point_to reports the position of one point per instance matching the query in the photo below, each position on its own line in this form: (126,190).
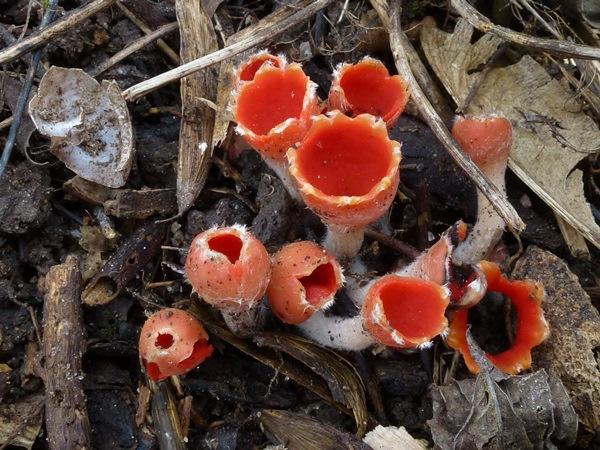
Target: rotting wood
(264,31)
(499,201)
(67,423)
(563,48)
(133,47)
(59,27)
(168,51)
(195,137)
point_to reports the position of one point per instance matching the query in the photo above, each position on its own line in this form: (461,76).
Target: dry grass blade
(61,26)
(166,417)
(563,48)
(293,371)
(500,203)
(341,377)
(195,137)
(132,48)
(301,432)
(265,30)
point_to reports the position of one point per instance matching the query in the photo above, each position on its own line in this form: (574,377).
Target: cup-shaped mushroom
(487,140)
(367,87)
(531,328)
(229,268)
(347,172)
(274,109)
(405,312)
(304,279)
(250,66)
(172,342)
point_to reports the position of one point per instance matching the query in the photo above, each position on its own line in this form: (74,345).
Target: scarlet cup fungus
(487,140)
(230,269)
(405,312)
(367,87)
(273,111)
(346,170)
(531,328)
(172,342)
(304,279)
(248,68)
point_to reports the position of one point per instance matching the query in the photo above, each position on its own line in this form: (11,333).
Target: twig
(132,48)
(6,123)
(67,423)
(168,51)
(303,10)
(500,203)
(41,37)
(559,47)
(419,70)
(394,244)
(25,90)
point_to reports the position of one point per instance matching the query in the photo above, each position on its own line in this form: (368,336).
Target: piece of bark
(124,203)
(67,423)
(574,332)
(195,138)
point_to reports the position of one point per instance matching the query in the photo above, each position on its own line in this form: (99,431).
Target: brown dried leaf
(124,264)
(344,382)
(11,89)
(526,412)
(551,133)
(301,432)
(20,422)
(575,332)
(88,124)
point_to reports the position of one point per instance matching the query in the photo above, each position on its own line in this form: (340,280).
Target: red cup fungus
(304,279)
(248,68)
(347,172)
(487,140)
(230,269)
(367,87)
(405,312)
(172,342)
(531,329)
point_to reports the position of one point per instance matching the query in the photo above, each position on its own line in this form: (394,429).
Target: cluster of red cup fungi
(343,166)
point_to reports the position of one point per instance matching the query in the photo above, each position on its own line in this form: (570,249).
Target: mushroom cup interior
(229,245)
(272,97)
(345,158)
(369,89)
(413,307)
(249,70)
(320,284)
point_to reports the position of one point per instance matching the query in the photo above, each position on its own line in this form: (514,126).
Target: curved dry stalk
(496,198)
(483,24)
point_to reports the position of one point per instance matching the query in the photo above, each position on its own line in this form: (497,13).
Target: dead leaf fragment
(392,438)
(551,134)
(575,332)
(522,412)
(301,432)
(20,422)
(88,124)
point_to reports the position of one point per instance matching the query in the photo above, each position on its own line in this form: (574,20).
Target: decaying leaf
(20,422)
(88,124)
(522,412)
(392,438)
(301,432)
(124,264)
(11,89)
(575,332)
(551,133)
(341,377)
